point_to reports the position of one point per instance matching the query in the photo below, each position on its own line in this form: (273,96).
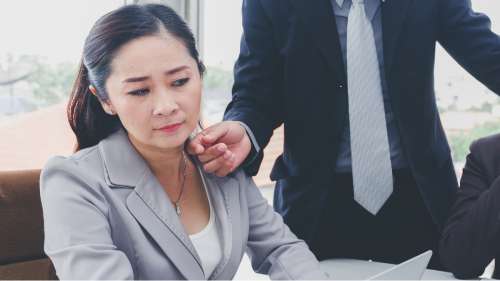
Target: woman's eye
(140,92)
(180,82)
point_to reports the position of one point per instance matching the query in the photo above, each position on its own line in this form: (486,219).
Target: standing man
(366,170)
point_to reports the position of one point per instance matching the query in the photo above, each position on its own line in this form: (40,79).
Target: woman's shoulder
(246,184)
(237,175)
(81,160)
(81,170)
(73,183)
(236,180)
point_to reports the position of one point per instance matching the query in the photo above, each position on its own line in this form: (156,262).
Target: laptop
(413,269)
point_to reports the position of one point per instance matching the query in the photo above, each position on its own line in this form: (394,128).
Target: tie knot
(359,2)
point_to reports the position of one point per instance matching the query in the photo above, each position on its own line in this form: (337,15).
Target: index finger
(195,146)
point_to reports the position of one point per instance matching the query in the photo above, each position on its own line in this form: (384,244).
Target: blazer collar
(152,208)
(224,193)
(124,167)
(319,17)
(342,7)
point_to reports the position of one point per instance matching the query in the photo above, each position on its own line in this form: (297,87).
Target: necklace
(184,173)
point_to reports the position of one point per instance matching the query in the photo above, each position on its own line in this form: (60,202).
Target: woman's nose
(164,104)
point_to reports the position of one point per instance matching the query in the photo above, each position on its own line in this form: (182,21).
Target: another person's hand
(221,147)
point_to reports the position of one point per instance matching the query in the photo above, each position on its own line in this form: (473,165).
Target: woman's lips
(171,128)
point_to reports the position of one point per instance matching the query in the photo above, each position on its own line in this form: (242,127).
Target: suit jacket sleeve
(471,237)
(272,247)
(257,92)
(77,231)
(467,36)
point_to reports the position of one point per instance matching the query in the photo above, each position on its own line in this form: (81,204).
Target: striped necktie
(371,162)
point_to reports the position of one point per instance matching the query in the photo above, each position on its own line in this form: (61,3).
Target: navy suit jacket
(471,237)
(290,71)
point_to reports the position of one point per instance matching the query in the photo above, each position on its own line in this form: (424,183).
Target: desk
(352,269)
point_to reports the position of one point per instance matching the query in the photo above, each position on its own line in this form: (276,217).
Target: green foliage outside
(52,83)
(48,83)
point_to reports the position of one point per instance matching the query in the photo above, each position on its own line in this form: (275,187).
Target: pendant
(178,209)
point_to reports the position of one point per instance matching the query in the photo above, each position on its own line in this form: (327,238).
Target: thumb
(214,133)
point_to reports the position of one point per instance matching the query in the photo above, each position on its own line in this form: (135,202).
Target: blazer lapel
(152,209)
(224,193)
(394,13)
(318,16)
(148,203)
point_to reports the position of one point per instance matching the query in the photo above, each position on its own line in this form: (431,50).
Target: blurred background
(42,43)
(41,46)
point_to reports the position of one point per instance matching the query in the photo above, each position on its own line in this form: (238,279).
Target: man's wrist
(254,146)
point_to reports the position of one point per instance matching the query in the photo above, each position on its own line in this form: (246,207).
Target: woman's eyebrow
(142,78)
(135,79)
(176,69)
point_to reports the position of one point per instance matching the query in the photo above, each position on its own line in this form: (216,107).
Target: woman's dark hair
(85,114)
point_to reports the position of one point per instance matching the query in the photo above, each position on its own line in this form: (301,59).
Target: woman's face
(155,89)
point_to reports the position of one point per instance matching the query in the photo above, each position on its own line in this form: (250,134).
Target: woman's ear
(106,105)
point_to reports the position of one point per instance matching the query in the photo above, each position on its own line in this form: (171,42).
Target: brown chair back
(21,228)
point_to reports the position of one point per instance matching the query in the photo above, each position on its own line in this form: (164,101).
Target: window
(221,37)
(42,42)
(41,46)
(222,31)
(468,109)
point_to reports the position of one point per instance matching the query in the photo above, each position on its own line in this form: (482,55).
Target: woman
(471,237)
(129,204)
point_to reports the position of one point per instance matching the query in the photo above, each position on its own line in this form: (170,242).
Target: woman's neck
(164,163)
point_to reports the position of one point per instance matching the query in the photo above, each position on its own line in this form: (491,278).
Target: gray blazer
(107,217)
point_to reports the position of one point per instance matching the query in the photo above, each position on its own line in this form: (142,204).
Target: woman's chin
(171,141)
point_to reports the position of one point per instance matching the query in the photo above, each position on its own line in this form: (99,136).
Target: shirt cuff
(254,152)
